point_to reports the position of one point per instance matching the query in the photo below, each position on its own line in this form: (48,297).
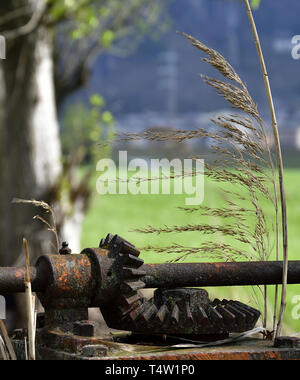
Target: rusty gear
(171,311)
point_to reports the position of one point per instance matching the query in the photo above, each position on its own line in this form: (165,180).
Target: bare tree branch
(10,16)
(30,26)
(72,74)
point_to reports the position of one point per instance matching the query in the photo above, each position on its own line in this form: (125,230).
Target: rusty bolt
(287,342)
(19,334)
(95,350)
(65,250)
(84,328)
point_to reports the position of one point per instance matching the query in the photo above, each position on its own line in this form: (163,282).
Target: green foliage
(107,38)
(82,129)
(255,4)
(107,18)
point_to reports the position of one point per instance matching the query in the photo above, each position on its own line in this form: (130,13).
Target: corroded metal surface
(12,279)
(78,268)
(219,274)
(287,342)
(71,282)
(111,277)
(66,341)
(181,312)
(171,311)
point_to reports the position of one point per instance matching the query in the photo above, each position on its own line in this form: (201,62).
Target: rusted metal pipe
(12,280)
(218,274)
(157,275)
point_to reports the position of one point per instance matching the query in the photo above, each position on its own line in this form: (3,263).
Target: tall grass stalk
(280,169)
(243,161)
(29,305)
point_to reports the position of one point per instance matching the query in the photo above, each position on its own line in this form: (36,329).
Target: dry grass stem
(243,160)
(7,341)
(280,170)
(30,305)
(51,226)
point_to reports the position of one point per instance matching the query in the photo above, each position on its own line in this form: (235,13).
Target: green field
(120,214)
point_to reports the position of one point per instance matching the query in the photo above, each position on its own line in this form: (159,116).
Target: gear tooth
(108,239)
(226,314)
(246,317)
(129,287)
(132,273)
(243,309)
(189,317)
(216,302)
(130,249)
(119,239)
(202,316)
(237,312)
(134,314)
(115,239)
(104,243)
(251,315)
(132,261)
(247,308)
(148,313)
(161,314)
(128,309)
(131,300)
(123,246)
(175,315)
(214,314)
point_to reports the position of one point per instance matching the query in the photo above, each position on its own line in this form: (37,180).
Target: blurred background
(77,72)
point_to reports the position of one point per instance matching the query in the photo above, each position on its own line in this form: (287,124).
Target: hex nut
(84,328)
(287,342)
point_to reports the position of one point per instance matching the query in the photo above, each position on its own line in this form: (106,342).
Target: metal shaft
(12,280)
(219,274)
(167,275)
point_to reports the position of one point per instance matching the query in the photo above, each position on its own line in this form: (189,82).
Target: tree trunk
(30,147)
(30,152)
